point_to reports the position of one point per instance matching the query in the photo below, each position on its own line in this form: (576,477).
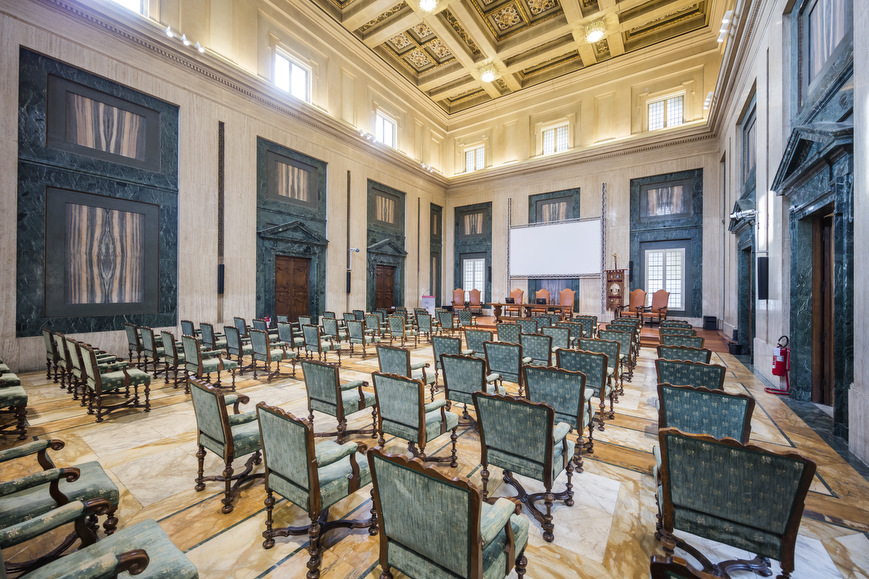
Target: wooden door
(822,311)
(384,284)
(292,277)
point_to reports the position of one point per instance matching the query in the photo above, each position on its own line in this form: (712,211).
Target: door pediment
(807,146)
(387,247)
(294,232)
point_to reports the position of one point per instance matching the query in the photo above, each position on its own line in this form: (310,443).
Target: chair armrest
(244,418)
(112,367)
(352,385)
(494,517)
(334,455)
(38,478)
(435,405)
(560,431)
(235,400)
(419,365)
(26,530)
(29,448)
(107,565)
(211,353)
(494,377)
(527,360)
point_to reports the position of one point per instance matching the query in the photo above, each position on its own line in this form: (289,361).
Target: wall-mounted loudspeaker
(763,278)
(220,269)
(630,271)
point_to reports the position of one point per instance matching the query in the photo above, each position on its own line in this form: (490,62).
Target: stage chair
(701,355)
(395,360)
(635,307)
(565,300)
(474,302)
(518,295)
(542,293)
(474,340)
(681,373)
(658,309)
(464,375)
(458,299)
(594,366)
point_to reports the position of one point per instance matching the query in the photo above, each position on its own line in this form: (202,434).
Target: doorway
(292,279)
(745,308)
(823,291)
(384,287)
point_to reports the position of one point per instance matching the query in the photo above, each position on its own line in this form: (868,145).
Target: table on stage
(525,309)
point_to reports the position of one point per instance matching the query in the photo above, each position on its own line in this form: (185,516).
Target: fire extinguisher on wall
(781,364)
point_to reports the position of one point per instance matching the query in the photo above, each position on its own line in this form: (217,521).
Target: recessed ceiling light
(428,5)
(595,31)
(488,73)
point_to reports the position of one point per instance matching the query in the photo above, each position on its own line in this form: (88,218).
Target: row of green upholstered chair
(395,360)
(13,402)
(44,501)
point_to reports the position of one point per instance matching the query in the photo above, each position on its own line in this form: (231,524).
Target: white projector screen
(569,249)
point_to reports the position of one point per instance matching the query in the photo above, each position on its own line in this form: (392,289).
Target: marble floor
(609,532)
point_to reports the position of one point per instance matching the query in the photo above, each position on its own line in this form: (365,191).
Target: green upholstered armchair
(358,336)
(173,358)
(373,325)
(446,345)
(202,363)
(63,362)
(674,568)
(238,347)
(528,326)
(465,318)
(39,493)
(134,343)
(682,373)
(594,365)
(241,325)
(576,331)
(13,401)
(402,412)
(360,315)
(350,316)
(316,342)
(143,550)
(684,353)
(105,362)
(288,335)
(229,437)
(395,360)
(474,340)
(560,336)
(100,383)
(326,394)
(537,347)
(424,324)
(332,331)
(269,353)
(626,348)
(260,324)
(740,495)
(446,322)
(674,331)
(505,360)
(210,339)
(689,341)
(634,325)
(398,330)
(188,329)
(612,350)
(508,332)
(542,320)
(521,436)
(464,375)
(589,325)
(51,356)
(566,392)
(152,351)
(438,525)
(311,477)
(675,324)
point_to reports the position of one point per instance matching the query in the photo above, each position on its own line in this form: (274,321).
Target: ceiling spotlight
(169,32)
(708,102)
(428,5)
(199,47)
(488,73)
(595,31)
(184,40)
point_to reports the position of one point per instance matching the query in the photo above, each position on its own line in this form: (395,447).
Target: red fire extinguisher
(781,364)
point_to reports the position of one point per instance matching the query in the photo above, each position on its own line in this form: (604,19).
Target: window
(665,269)
(472,223)
(824,25)
(749,146)
(554,210)
(666,112)
(475,158)
(555,139)
(292,77)
(384,209)
(474,276)
(663,201)
(384,129)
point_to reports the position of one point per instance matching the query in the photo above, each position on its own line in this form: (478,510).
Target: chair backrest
(675,324)
(476,338)
(88,359)
(396,325)
(330,327)
(528,326)
(448,507)
(312,336)
(393,360)
(625,339)
(463,375)
(704,411)
(62,353)
(445,319)
(149,346)
(348,316)
(576,329)
(517,295)
(423,321)
(305,321)
(241,325)
(445,345)
(356,329)
(289,455)
(212,419)
(560,336)
(192,355)
(589,325)
(50,348)
(514,428)
(611,348)
(381,313)
(565,297)
(207,336)
(458,298)
(169,348)
(132,337)
(542,321)
(673,331)
(400,405)
(323,384)
(508,332)
(689,341)
(260,325)
(474,297)
(372,322)
(660,299)
(259,343)
(360,315)
(592,364)
(542,293)
(329,315)
(187,328)
(683,373)
(285,333)
(505,359)
(563,390)
(466,318)
(537,347)
(636,299)
(763,499)
(283,319)
(74,352)
(684,353)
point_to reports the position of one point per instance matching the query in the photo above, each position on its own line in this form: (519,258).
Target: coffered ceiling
(527,42)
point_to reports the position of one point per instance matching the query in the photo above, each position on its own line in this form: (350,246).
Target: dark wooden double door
(384,284)
(292,286)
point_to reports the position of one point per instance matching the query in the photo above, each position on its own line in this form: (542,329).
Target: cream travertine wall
(204,101)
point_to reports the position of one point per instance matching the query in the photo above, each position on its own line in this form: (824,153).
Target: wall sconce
(595,31)
(488,73)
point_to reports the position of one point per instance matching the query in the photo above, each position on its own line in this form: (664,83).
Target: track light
(169,32)
(184,40)
(199,47)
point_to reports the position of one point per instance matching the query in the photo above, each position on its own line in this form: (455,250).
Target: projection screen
(564,249)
